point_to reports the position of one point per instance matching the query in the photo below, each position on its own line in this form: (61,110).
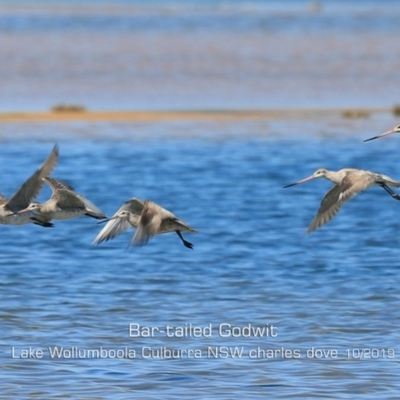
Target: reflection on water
(329,294)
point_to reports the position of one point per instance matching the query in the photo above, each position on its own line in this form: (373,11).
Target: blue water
(217,17)
(335,289)
(329,300)
(198,55)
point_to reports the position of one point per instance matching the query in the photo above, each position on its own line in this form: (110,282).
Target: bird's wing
(388,180)
(169,221)
(56,184)
(175,224)
(350,187)
(333,201)
(67,200)
(32,186)
(133,205)
(149,222)
(113,228)
(154,208)
(90,206)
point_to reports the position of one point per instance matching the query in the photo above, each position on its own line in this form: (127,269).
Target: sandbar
(195,115)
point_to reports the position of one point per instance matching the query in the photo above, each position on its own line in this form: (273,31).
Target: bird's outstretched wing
(33,185)
(333,201)
(116,226)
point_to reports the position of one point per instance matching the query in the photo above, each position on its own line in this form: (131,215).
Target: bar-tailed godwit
(149,218)
(347,183)
(10,209)
(64,203)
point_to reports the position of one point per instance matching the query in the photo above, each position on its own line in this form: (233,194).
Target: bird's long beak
(309,178)
(107,219)
(381,135)
(21,211)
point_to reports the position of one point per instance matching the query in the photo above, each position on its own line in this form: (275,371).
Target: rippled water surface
(327,304)
(252,265)
(198,55)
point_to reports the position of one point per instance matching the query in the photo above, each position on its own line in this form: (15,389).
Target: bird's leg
(185,242)
(390,191)
(41,223)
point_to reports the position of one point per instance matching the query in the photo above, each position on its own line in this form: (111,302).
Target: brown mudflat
(211,115)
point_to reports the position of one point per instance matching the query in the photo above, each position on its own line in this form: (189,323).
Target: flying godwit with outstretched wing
(149,218)
(10,209)
(64,203)
(347,183)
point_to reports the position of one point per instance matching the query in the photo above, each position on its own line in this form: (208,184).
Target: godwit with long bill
(64,203)
(396,129)
(149,218)
(347,183)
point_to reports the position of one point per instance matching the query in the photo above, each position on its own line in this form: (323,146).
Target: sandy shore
(201,115)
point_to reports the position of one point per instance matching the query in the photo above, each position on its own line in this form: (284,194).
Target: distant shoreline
(202,115)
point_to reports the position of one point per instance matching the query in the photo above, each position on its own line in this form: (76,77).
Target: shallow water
(335,289)
(242,54)
(329,300)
